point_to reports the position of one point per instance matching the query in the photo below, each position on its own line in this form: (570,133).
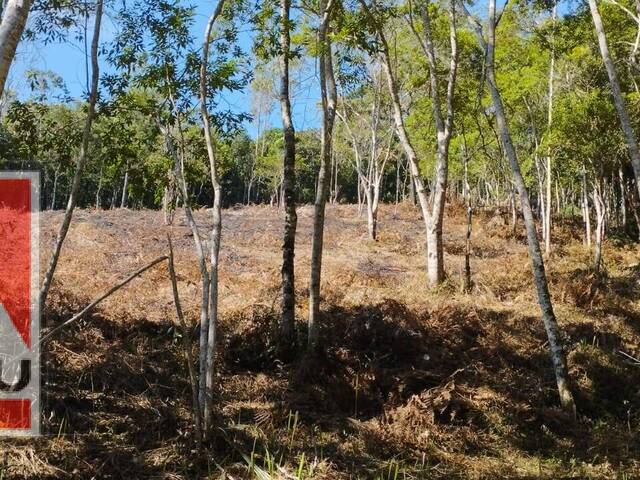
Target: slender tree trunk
(249,190)
(216,229)
(329,100)
(165,206)
(359,193)
(629,134)
(600,220)
(537,263)
(202,264)
(541,203)
(636,215)
(56,175)
(287,326)
(186,338)
(467,244)
(397,195)
(586,217)
(412,187)
(514,209)
(14,19)
(82,156)
(99,186)
(335,189)
(125,186)
(623,198)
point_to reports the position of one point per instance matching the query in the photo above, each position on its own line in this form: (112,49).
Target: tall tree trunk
(629,134)
(540,279)
(82,156)
(14,19)
(287,325)
(216,229)
(329,100)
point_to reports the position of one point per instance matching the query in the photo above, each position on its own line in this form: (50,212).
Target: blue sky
(68,61)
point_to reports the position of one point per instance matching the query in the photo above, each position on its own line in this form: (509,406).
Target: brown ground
(411,384)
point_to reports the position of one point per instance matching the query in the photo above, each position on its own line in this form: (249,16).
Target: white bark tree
(601,213)
(14,20)
(369,132)
(398,117)
(444,132)
(432,214)
(216,229)
(629,134)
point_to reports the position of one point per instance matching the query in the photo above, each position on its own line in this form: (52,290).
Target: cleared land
(411,383)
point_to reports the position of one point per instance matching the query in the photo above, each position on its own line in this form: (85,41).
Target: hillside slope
(410,383)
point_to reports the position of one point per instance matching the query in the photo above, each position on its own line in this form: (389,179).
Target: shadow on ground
(430,390)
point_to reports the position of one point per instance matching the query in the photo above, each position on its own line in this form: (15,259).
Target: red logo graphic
(19,312)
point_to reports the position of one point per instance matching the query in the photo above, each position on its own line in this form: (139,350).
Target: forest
(330,239)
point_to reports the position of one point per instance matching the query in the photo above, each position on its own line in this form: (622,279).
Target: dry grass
(410,383)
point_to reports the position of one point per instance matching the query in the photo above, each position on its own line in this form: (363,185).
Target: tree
(398,117)
(535,253)
(216,228)
(364,117)
(13,21)
(444,132)
(82,157)
(329,100)
(432,216)
(625,122)
(288,185)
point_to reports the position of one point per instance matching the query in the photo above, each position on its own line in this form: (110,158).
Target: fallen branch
(108,293)
(633,359)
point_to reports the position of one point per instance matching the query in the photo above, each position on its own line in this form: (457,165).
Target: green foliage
(150,96)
